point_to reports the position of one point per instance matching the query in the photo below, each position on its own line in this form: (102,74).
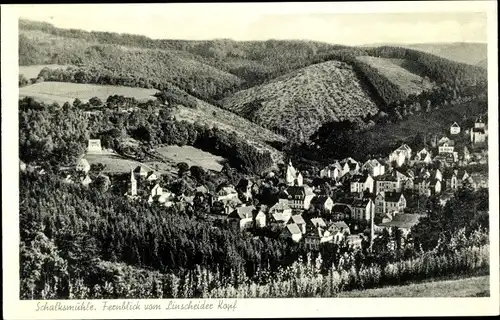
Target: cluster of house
(371,193)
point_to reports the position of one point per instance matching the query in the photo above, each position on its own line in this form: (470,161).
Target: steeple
(133,184)
(291,174)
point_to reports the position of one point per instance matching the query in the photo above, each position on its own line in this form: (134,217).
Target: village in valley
(346,201)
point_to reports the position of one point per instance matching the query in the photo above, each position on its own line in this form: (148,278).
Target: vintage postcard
(250,160)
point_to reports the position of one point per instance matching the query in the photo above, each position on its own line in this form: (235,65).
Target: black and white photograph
(168,151)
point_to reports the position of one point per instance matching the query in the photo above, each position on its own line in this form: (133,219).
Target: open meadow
(114,163)
(192,156)
(61,92)
(469,287)
(33,70)
(395,72)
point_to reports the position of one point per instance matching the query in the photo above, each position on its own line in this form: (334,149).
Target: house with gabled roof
(226,192)
(341,211)
(318,222)
(282,206)
(316,236)
(454,128)
(141,171)
(363,209)
(395,202)
(242,217)
(388,183)
(339,230)
(403,222)
(299,197)
(446,145)
(260,217)
(361,183)
(401,155)
(422,186)
(322,202)
(373,167)
(332,171)
(292,231)
(83,166)
(299,221)
(423,156)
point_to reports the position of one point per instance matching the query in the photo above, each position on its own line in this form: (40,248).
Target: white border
(16,309)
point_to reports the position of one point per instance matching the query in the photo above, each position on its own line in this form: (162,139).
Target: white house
(363,209)
(454,128)
(401,155)
(83,165)
(423,156)
(242,217)
(323,203)
(94,146)
(360,183)
(339,230)
(333,171)
(373,167)
(281,207)
(316,237)
(446,145)
(299,197)
(477,135)
(388,183)
(226,193)
(395,202)
(349,165)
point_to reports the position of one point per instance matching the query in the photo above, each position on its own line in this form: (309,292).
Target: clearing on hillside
(33,71)
(62,92)
(192,156)
(469,287)
(396,72)
(114,163)
(299,102)
(211,116)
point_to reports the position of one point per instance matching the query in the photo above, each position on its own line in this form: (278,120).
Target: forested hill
(242,76)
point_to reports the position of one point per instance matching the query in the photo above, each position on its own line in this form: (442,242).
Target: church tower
(133,184)
(291,174)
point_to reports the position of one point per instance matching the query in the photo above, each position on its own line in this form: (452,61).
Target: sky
(332,23)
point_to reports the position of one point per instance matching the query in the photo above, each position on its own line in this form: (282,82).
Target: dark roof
(341,208)
(319,199)
(360,203)
(455,125)
(449,142)
(402,221)
(480,130)
(359,178)
(392,196)
(387,177)
(243,212)
(298,190)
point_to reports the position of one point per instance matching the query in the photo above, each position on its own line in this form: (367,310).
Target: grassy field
(392,69)
(301,101)
(469,287)
(114,163)
(62,92)
(33,71)
(192,156)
